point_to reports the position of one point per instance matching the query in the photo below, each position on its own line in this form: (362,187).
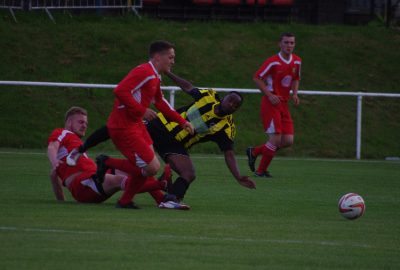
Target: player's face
(287,45)
(78,124)
(230,103)
(166,60)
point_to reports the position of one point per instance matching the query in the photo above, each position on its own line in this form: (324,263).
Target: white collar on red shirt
(284,60)
(155,70)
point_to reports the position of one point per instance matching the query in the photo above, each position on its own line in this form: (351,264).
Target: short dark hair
(74,110)
(286,34)
(160,46)
(238,94)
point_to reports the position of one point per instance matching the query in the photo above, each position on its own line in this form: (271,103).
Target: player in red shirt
(81,179)
(133,96)
(276,77)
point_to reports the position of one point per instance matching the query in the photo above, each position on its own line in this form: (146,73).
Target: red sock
(258,150)
(120,164)
(151,184)
(268,154)
(134,182)
(158,196)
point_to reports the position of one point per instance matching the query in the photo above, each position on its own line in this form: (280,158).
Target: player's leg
(84,189)
(113,183)
(183,166)
(152,168)
(139,153)
(267,116)
(287,128)
(271,118)
(287,140)
(268,153)
(98,136)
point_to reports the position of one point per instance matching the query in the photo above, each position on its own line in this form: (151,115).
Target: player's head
(76,120)
(287,42)
(231,102)
(162,55)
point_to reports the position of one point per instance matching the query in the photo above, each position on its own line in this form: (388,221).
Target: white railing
(172,90)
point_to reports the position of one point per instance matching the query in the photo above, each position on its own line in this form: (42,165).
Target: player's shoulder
(144,69)
(58,134)
(273,58)
(229,119)
(202,92)
(207,90)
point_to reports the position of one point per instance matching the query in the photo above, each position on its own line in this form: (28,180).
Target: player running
(276,77)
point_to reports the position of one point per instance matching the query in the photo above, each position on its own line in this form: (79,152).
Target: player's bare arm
(230,161)
(57,186)
(263,88)
(52,150)
(295,88)
(182,83)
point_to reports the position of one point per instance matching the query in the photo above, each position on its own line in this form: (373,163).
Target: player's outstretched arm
(230,161)
(182,83)
(57,187)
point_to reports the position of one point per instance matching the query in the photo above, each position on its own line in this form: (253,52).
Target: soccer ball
(351,206)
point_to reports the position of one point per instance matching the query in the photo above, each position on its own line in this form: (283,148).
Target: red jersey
(278,74)
(68,141)
(134,95)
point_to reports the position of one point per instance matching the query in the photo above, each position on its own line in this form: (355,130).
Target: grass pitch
(288,222)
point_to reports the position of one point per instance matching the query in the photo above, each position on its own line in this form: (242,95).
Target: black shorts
(163,142)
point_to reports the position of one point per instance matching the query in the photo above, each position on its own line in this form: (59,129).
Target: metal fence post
(358,131)
(172,98)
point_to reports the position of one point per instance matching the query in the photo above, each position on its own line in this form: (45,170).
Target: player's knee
(190,176)
(286,143)
(152,168)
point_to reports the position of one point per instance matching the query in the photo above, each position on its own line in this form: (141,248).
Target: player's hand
(296,100)
(149,115)
(53,173)
(188,127)
(55,164)
(247,182)
(274,99)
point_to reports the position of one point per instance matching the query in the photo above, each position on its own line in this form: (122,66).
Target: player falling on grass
(275,78)
(82,179)
(213,121)
(133,96)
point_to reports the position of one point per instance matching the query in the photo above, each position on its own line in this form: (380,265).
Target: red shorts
(84,190)
(134,143)
(276,118)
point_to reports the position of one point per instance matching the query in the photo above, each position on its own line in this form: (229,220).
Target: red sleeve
(265,69)
(123,92)
(54,135)
(163,106)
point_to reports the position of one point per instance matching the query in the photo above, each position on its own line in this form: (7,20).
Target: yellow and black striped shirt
(208,125)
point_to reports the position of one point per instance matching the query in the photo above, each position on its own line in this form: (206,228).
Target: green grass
(288,222)
(93,49)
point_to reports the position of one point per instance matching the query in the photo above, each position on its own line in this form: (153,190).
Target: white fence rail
(172,90)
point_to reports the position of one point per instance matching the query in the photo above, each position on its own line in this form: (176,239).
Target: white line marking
(195,238)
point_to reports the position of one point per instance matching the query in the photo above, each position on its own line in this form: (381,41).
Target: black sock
(179,188)
(98,136)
